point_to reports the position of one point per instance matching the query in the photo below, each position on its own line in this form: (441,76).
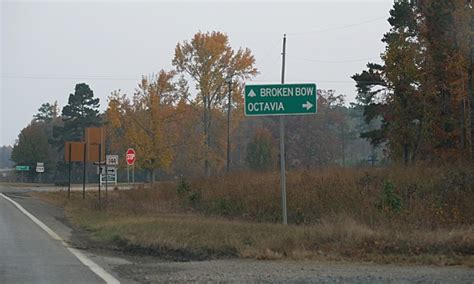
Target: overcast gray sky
(48,47)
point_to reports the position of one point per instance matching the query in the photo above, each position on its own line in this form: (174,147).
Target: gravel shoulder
(254,271)
(133,268)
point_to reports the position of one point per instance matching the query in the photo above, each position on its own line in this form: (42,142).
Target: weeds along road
(29,254)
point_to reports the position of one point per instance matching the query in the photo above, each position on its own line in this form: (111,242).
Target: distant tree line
(178,131)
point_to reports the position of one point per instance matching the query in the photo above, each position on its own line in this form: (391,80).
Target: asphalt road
(29,255)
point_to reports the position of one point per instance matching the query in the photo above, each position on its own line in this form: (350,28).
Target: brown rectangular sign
(77,151)
(94,137)
(93,153)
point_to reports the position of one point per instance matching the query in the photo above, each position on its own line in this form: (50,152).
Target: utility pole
(470,87)
(69,171)
(229,82)
(282,142)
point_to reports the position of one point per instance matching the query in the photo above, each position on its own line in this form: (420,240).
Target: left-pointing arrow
(307,105)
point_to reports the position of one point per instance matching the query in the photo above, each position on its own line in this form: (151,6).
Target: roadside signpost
(95,144)
(91,150)
(281,100)
(130,157)
(109,175)
(107,170)
(112,160)
(22,169)
(40,169)
(75,152)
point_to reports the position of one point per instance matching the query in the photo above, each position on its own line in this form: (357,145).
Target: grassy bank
(385,215)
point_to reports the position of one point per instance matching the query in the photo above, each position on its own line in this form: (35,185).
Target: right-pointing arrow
(307,105)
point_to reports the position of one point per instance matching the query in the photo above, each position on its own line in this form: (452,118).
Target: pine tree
(81,111)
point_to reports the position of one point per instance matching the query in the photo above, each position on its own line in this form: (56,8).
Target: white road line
(107,277)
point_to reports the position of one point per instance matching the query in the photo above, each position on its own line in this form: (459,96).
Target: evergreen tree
(47,112)
(260,151)
(81,111)
(419,94)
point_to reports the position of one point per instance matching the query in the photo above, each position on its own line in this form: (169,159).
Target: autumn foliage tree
(147,121)
(176,129)
(32,146)
(446,28)
(208,59)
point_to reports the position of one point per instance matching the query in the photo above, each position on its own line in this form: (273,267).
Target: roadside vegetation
(411,120)
(393,214)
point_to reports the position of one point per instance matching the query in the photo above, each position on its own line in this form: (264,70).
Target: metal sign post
(100,169)
(21,169)
(282,144)
(73,152)
(106,173)
(39,170)
(110,160)
(130,157)
(84,172)
(70,165)
(128,174)
(281,100)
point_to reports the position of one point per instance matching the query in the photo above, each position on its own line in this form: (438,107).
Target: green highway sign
(280,99)
(22,168)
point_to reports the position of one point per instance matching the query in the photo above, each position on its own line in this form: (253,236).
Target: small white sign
(112,160)
(110,170)
(110,177)
(40,167)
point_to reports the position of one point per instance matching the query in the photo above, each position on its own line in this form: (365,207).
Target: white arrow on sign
(307,105)
(252,94)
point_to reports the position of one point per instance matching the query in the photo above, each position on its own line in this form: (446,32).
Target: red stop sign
(130,156)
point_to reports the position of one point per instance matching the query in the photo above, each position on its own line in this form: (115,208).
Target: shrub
(183,187)
(260,151)
(389,200)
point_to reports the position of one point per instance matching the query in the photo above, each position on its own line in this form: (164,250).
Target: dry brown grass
(339,212)
(428,197)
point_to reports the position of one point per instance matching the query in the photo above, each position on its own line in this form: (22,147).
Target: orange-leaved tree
(209,59)
(146,122)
